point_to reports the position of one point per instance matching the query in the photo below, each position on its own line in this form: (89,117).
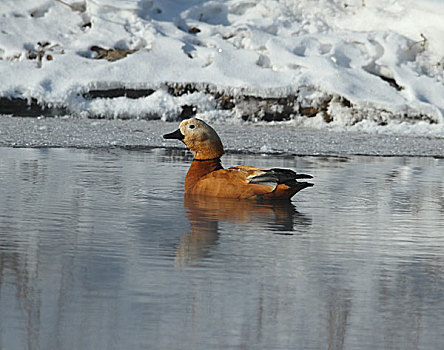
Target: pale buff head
(199,137)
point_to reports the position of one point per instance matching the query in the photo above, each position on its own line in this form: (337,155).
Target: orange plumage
(206,175)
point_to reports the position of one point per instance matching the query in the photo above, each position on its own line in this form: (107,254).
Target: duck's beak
(177,135)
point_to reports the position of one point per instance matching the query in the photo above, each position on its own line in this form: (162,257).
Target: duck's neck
(200,168)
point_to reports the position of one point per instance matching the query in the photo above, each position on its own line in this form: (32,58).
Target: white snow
(386,57)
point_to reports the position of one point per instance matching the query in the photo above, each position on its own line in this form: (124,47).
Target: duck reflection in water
(206,213)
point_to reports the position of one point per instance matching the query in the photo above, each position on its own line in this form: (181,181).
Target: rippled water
(100,250)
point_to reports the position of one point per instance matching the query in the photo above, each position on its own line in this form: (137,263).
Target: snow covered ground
(362,65)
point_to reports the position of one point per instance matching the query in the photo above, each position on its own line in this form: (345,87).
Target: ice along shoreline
(279,139)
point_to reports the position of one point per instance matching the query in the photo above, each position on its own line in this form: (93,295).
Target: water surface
(100,250)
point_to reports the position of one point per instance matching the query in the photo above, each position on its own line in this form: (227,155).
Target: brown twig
(422,42)
(74,8)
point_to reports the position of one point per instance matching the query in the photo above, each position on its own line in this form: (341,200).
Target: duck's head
(199,137)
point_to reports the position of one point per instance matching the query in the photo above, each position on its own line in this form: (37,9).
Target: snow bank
(352,64)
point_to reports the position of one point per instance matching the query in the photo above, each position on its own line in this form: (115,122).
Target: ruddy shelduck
(207,177)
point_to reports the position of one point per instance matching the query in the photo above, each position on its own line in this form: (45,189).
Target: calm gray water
(99,250)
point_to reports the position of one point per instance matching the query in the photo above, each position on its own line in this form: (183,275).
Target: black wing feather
(278,176)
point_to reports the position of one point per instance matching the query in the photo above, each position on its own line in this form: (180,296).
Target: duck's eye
(192,126)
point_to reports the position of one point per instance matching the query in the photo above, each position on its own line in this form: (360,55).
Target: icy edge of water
(283,139)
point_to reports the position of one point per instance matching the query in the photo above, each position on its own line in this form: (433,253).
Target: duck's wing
(250,182)
(274,176)
(285,182)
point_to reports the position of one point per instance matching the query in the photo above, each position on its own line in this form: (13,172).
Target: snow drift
(357,64)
